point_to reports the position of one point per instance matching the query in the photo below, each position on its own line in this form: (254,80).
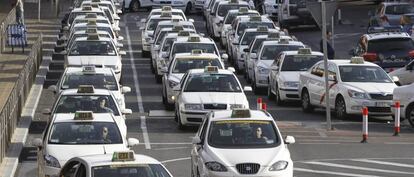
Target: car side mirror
(246,50)
(125,89)
(132,142)
(290,140)
(253,56)
(247,89)
(122,52)
(177,88)
(196,140)
(164,55)
(396,80)
(126,111)
(142,28)
(37,142)
(119,45)
(231,69)
(224,57)
(332,78)
(52,88)
(120,38)
(275,68)
(156,48)
(191,20)
(164,70)
(65,52)
(46,111)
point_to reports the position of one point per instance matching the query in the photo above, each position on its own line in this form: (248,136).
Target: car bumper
(263,172)
(289,94)
(192,117)
(171,95)
(375,107)
(261,80)
(146,46)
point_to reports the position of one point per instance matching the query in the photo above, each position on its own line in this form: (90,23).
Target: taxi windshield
(270,52)
(188,47)
(243,134)
(100,81)
(249,36)
(139,170)
(94,103)
(85,133)
(167,44)
(299,62)
(399,9)
(363,74)
(223,9)
(257,44)
(212,83)
(183,65)
(100,28)
(232,16)
(153,23)
(104,48)
(246,25)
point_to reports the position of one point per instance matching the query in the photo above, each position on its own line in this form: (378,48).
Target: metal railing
(10,113)
(10,19)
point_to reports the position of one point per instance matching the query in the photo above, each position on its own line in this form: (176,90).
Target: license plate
(382,104)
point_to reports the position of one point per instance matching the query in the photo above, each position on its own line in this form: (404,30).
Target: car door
(197,160)
(333,89)
(316,84)
(407,74)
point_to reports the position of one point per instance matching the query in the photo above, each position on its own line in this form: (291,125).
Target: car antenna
(104,149)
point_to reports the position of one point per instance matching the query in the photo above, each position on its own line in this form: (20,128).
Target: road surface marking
(331,172)
(384,163)
(171,148)
(357,167)
(174,160)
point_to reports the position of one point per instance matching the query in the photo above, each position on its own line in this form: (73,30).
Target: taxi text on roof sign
(178,28)
(283,41)
(123,156)
(256,18)
(262,28)
(274,35)
(95,5)
(83,115)
(234,1)
(304,51)
(166,14)
(86,89)
(243,9)
(175,20)
(91,15)
(211,69)
(93,37)
(92,22)
(91,31)
(166,8)
(196,51)
(240,113)
(88,69)
(357,60)
(96,0)
(87,8)
(193,39)
(184,33)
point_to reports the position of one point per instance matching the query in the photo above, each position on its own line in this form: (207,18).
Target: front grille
(215,106)
(194,119)
(377,96)
(165,2)
(248,168)
(379,109)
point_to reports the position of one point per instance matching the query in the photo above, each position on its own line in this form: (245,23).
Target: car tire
(134,6)
(340,108)
(306,105)
(181,126)
(278,101)
(410,114)
(270,95)
(158,78)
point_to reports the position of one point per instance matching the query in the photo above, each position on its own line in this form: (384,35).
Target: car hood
(370,87)
(93,60)
(176,76)
(262,156)
(290,76)
(215,97)
(71,151)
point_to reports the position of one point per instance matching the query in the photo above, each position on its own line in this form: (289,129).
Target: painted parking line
(384,163)
(331,172)
(329,164)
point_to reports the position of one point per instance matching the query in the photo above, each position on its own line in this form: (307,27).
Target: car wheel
(145,54)
(270,94)
(340,108)
(176,118)
(168,106)
(134,6)
(158,78)
(188,8)
(181,126)
(410,114)
(306,105)
(278,101)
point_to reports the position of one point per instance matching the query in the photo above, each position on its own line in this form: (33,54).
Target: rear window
(389,45)
(399,9)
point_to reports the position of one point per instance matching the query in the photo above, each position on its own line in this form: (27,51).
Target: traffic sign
(316,10)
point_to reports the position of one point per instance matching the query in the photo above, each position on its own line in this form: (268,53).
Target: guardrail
(10,19)
(10,113)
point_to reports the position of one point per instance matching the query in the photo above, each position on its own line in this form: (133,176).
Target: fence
(10,19)
(10,113)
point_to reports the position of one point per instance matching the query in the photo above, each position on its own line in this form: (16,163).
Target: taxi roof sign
(183,33)
(175,20)
(256,18)
(305,51)
(86,89)
(91,15)
(177,28)
(93,37)
(166,8)
(95,5)
(243,9)
(193,39)
(357,60)
(91,22)
(166,14)
(83,115)
(87,8)
(211,69)
(262,28)
(240,113)
(234,1)
(274,35)
(283,41)
(123,156)
(91,31)
(89,69)
(96,0)
(196,51)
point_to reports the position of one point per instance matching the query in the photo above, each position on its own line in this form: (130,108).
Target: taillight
(370,56)
(411,53)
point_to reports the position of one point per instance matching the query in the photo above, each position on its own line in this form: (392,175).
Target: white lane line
(358,168)
(331,172)
(318,143)
(384,163)
(138,92)
(401,143)
(174,160)
(171,148)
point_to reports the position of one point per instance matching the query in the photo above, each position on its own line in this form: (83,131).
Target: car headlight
(51,161)
(356,94)
(172,83)
(291,84)
(215,166)
(262,70)
(193,106)
(235,106)
(279,165)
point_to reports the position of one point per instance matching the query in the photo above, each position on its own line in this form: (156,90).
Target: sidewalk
(11,65)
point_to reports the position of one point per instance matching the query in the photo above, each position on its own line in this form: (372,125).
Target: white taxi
(284,73)
(266,54)
(187,44)
(181,63)
(353,83)
(119,163)
(405,95)
(78,134)
(240,142)
(228,19)
(149,28)
(100,78)
(405,75)
(83,11)
(97,51)
(169,9)
(205,90)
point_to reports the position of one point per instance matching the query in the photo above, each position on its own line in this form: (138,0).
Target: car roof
(196,56)
(69,117)
(184,39)
(254,115)
(167,18)
(200,71)
(75,92)
(100,39)
(273,42)
(387,35)
(233,3)
(106,159)
(70,70)
(347,62)
(170,22)
(247,19)
(270,30)
(97,25)
(297,53)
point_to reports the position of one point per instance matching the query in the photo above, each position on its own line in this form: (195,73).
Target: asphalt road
(317,152)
